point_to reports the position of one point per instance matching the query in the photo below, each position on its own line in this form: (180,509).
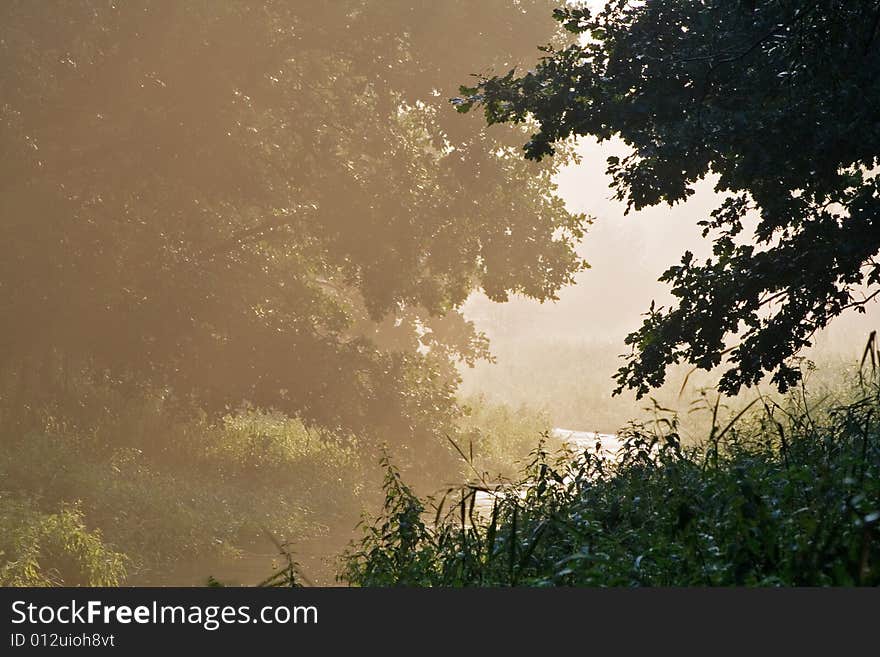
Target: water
(586,440)
(608,445)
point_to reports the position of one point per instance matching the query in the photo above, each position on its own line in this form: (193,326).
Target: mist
(282,283)
(561,355)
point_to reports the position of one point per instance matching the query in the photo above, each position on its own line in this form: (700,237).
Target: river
(577,441)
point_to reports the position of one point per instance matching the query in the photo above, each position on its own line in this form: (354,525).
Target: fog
(627,253)
(239,243)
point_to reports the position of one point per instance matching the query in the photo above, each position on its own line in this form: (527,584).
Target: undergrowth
(105,487)
(786,493)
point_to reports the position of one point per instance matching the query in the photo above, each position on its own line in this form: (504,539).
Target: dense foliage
(134,493)
(265,201)
(774,98)
(53,549)
(150,494)
(789,495)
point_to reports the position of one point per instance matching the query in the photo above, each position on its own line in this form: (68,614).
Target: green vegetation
(569,380)
(140,491)
(498,438)
(169,491)
(237,238)
(788,494)
(46,549)
(773,97)
(268,202)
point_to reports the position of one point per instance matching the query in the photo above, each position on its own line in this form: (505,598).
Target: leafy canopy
(269,201)
(778,99)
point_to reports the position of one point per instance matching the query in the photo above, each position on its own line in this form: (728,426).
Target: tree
(265,201)
(776,98)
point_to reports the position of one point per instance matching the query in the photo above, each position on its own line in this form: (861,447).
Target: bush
(53,549)
(788,494)
(498,438)
(175,492)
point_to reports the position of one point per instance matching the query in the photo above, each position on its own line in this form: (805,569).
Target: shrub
(498,436)
(53,549)
(785,494)
(172,490)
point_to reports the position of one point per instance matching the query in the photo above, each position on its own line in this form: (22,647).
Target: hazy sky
(627,253)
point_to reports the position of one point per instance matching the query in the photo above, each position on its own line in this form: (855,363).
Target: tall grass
(786,493)
(498,438)
(570,381)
